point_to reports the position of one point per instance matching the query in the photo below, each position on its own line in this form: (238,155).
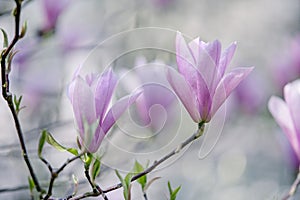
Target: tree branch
(8,96)
(189,140)
(54,174)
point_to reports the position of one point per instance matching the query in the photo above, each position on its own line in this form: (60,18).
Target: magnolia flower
(202,84)
(90,98)
(287,113)
(52,10)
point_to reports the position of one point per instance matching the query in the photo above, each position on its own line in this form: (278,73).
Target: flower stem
(293,187)
(189,140)
(95,188)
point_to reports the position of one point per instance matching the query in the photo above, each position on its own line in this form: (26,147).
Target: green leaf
(73,151)
(78,142)
(5,38)
(96,169)
(9,61)
(50,140)
(173,193)
(31,184)
(126,183)
(42,142)
(88,158)
(138,168)
(23,30)
(17,103)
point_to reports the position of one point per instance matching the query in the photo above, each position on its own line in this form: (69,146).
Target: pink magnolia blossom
(90,98)
(287,113)
(202,84)
(52,10)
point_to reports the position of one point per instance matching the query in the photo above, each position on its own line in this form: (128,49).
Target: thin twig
(293,187)
(95,188)
(54,174)
(145,196)
(8,96)
(189,140)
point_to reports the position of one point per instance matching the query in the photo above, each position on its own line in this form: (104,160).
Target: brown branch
(95,188)
(8,96)
(189,140)
(54,174)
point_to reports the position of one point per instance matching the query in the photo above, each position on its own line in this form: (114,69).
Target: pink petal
(214,51)
(281,114)
(194,47)
(208,62)
(83,104)
(186,61)
(185,93)
(103,93)
(292,98)
(186,58)
(117,110)
(96,141)
(226,58)
(70,89)
(229,82)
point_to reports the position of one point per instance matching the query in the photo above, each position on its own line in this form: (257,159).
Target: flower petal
(117,110)
(96,141)
(292,98)
(83,104)
(214,51)
(70,89)
(186,61)
(281,114)
(209,54)
(185,93)
(226,58)
(229,82)
(103,93)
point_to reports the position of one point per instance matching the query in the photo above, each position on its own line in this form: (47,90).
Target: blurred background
(243,155)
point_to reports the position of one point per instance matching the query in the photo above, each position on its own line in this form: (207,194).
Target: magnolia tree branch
(54,174)
(8,96)
(293,187)
(95,188)
(156,163)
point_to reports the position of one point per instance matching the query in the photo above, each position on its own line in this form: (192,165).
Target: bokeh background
(252,158)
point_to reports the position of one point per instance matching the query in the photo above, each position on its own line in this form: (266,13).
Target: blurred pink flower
(156,92)
(90,99)
(247,95)
(202,84)
(287,67)
(287,113)
(52,10)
